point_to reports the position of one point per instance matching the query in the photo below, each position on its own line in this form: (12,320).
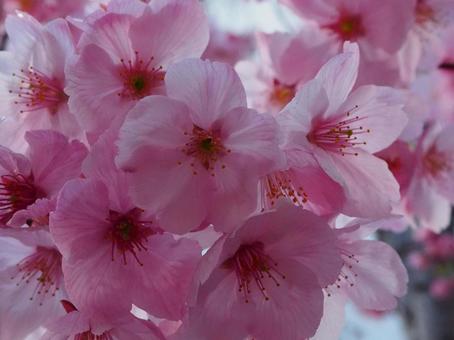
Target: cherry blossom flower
(272,83)
(430,194)
(119,64)
(342,130)
(109,244)
(32,85)
(271,268)
(31,282)
(29,184)
(196,156)
(45,10)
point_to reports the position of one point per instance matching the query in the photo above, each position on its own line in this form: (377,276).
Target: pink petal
(178,29)
(210,89)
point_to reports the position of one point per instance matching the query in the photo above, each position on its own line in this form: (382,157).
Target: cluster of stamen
(339,136)
(436,162)
(36,91)
(282,94)
(348,27)
(17,192)
(206,147)
(424,13)
(347,275)
(42,268)
(280,184)
(140,78)
(250,263)
(129,234)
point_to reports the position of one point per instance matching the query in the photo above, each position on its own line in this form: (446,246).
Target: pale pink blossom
(430,194)
(109,244)
(362,21)
(286,62)
(30,183)
(31,282)
(119,64)
(196,156)
(343,129)
(270,269)
(32,80)
(45,10)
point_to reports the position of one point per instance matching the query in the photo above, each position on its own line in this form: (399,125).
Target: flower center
(280,184)
(128,234)
(37,91)
(140,79)
(347,276)
(43,268)
(424,13)
(26,5)
(206,147)
(436,162)
(250,263)
(348,27)
(339,135)
(17,192)
(282,94)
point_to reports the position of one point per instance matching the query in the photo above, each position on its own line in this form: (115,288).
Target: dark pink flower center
(17,192)
(140,78)
(424,13)
(348,27)
(436,162)
(251,264)
(280,184)
(206,147)
(129,234)
(43,269)
(339,135)
(37,91)
(282,94)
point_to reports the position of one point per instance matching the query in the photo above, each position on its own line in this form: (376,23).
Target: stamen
(129,234)
(347,275)
(37,91)
(251,263)
(281,184)
(44,266)
(282,94)
(17,192)
(348,27)
(140,78)
(206,147)
(436,162)
(340,135)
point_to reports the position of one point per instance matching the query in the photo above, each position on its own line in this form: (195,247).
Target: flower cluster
(141,197)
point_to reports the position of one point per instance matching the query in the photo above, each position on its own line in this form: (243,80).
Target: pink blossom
(109,244)
(31,282)
(342,129)
(270,269)
(33,79)
(442,288)
(361,20)
(370,281)
(430,193)
(45,10)
(196,156)
(28,184)
(119,64)
(83,325)
(272,82)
